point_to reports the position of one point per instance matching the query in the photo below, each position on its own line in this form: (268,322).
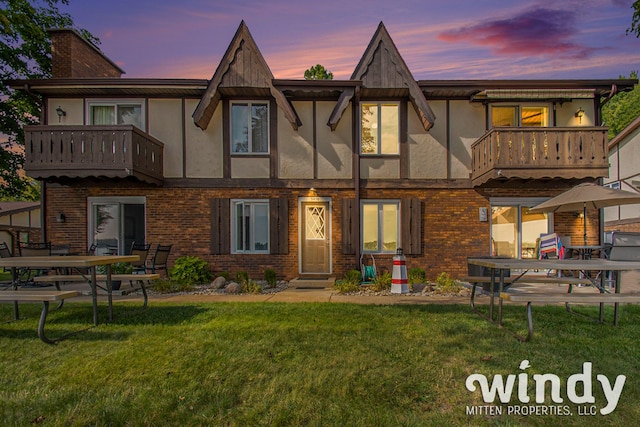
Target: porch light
(61,113)
(579,114)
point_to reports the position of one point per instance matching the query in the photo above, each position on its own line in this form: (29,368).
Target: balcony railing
(539,153)
(60,153)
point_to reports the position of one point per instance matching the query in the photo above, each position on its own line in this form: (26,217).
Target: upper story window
(116,113)
(250,127)
(519,115)
(380,128)
(615,185)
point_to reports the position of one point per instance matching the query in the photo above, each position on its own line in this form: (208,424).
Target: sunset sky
(453,39)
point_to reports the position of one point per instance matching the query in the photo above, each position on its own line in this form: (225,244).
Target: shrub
(271,277)
(190,270)
(242,277)
(163,286)
(117,268)
(350,282)
(382,282)
(251,287)
(416,276)
(447,285)
(225,274)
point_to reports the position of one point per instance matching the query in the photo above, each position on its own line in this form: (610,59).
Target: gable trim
(242,41)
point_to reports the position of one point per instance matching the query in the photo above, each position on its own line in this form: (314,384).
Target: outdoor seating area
(596,276)
(36,267)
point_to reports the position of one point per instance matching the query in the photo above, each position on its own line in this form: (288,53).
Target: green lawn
(324,364)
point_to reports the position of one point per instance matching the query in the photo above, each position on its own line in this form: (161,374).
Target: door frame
(120,201)
(301,201)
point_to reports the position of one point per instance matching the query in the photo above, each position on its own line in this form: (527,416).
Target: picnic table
(594,270)
(84,263)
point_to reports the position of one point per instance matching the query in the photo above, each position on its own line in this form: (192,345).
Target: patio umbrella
(587,196)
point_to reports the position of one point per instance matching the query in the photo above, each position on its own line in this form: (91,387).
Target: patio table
(86,262)
(584,251)
(501,265)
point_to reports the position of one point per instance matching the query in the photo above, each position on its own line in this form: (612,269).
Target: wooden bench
(37,296)
(566,298)
(527,279)
(57,279)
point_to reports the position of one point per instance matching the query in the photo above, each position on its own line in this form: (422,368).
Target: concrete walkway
(630,284)
(314,295)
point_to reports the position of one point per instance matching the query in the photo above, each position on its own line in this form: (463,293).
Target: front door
(315,231)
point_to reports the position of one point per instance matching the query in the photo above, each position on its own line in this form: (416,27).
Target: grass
(312,364)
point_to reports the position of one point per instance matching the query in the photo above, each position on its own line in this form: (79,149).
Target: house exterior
(19,222)
(308,177)
(624,152)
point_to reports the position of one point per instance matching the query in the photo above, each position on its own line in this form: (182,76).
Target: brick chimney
(74,57)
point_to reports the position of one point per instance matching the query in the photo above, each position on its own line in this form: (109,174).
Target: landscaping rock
(233,288)
(418,287)
(218,283)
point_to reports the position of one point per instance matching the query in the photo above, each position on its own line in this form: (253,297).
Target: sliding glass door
(115,223)
(514,230)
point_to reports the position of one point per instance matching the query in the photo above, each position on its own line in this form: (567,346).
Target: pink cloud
(535,32)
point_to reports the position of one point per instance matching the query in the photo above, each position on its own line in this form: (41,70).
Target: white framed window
(379,128)
(250,226)
(250,127)
(114,223)
(116,112)
(380,226)
(514,230)
(615,185)
(519,115)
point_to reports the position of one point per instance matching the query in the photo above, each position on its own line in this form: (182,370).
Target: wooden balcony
(63,153)
(540,153)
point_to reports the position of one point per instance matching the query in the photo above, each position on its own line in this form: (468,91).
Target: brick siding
(74,57)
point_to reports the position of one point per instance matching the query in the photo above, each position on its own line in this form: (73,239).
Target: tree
(622,109)
(635,19)
(318,72)
(24,54)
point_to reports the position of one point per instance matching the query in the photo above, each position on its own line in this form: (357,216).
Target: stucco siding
(295,148)
(165,124)
(204,153)
(379,168)
(250,167)
(73,107)
(334,148)
(428,150)
(467,125)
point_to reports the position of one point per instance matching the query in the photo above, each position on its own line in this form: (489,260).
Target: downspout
(356,167)
(601,231)
(43,209)
(612,93)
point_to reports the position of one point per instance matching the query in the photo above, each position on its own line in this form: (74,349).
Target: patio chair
(92,249)
(35,248)
(368,269)
(5,252)
(551,247)
(159,259)
(142,250)
(31,249)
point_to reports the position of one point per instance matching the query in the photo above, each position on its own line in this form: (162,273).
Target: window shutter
(279,224)
(411,221)
(220,223)
(349,212)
